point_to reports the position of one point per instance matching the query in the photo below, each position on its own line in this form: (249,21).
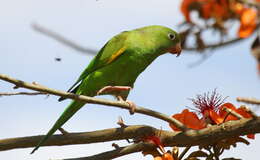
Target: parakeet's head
(164,39)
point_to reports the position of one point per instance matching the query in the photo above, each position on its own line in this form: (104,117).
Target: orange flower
(155,140)
(227,117)
(218,9)
(211,108)
(237,8)
(190,119)
(248,22)
(185,8)
(165,156)
(241,110)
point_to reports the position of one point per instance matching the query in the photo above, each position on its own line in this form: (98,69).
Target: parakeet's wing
(110,52)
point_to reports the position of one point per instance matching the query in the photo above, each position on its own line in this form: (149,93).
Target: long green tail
(65,116)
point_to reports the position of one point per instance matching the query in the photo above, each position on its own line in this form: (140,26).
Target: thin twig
(86,99)
(63,131)
(21,93)
(184,152)
(216,45)
(63,40)
(248,100)
(233,113)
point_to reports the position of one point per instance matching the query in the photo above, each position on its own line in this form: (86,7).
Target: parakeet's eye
(171,36)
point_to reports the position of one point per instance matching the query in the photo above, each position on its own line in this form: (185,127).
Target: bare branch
(63,40)
(21,93)
(63,131)
(214,46)
(86,99)
(248,100)
(87,50)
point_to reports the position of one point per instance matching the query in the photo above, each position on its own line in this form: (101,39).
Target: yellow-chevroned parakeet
(115,68)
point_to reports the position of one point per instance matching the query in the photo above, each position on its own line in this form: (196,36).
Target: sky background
(164,86)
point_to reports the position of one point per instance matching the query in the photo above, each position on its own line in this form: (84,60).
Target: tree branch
(83,49)
(188,138)
(214,46)
(86,99)
(121,151)
(80,138)
(63,40)
(21,93)
(248,100)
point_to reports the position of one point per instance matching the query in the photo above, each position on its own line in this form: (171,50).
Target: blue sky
(165,86)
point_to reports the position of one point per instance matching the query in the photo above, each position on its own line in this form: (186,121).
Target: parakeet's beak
(175,49)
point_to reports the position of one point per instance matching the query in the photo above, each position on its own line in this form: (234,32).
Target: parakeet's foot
(132,105)
(109,89)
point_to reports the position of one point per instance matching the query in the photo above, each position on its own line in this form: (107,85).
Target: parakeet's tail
(66,115)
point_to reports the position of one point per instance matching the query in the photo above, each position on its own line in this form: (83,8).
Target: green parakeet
(115,68)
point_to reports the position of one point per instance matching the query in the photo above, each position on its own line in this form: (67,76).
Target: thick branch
(62,39)
(86,99)
(206,136)
(80,138)
(189,138)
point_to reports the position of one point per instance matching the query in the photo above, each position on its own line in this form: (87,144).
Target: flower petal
(248,22)
(190,119)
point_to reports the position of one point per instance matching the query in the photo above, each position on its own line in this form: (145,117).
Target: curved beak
(175,49)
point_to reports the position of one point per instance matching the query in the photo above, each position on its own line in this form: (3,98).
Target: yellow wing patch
(115,55)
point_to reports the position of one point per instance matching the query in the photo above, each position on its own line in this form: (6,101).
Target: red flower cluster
(212,110)
(221,11)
